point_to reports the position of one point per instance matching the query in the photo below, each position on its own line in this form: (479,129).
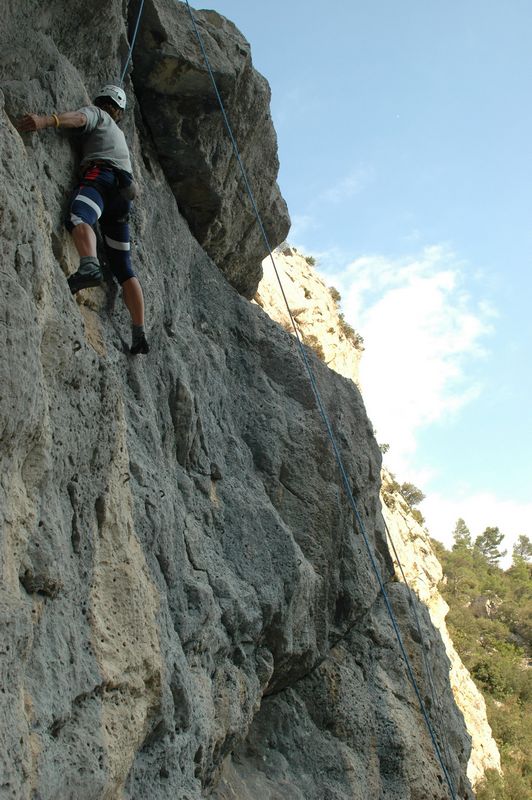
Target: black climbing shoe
(140,345)
(86,276)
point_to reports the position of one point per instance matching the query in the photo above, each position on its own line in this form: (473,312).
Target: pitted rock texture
(306,741)
(180,576)
(181,111)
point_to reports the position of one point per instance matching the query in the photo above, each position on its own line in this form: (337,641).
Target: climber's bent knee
(119,258)
(86,206)
(117,245)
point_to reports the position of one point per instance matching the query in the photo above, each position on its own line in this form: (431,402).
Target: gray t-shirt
(102,140)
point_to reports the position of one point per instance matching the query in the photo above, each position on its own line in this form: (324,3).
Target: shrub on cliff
(335,294)
(349,332)
(314,343)
(418,516)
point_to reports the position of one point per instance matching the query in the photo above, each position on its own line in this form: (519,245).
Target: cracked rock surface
(181,112)
(185,606)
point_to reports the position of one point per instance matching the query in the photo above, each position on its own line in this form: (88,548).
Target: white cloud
(421,331)
(347,186)
(479,511)
(414,237)
(329,261)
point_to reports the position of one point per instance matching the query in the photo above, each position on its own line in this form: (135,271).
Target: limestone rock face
(181,112)
(423,573)
(316,315)
(185,606)
(315,311)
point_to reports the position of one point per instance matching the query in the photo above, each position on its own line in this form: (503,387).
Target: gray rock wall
(181,112)
(185,608)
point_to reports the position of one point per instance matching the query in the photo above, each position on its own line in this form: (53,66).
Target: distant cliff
(315,309)
(186,608)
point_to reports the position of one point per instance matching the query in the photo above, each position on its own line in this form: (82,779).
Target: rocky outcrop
(185,606)
(316,314)
(181,112)
(423,573)
(486,607)
(314,308)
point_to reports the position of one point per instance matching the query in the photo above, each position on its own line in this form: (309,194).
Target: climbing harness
(319,402)
(324,415)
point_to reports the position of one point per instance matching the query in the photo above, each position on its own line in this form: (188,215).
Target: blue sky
(405,135)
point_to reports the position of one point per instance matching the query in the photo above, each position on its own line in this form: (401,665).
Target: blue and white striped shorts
(97,198)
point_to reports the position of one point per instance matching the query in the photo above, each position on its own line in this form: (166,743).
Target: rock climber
(103,195)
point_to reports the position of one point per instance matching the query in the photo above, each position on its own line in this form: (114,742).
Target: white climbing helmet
(116,93)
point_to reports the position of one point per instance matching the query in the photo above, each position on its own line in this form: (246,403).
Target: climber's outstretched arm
(67,119)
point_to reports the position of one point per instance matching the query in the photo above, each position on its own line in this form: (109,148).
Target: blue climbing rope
(428,669)
(132,44)
(323,413)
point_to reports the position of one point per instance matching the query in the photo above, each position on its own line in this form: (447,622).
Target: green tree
(488,543)
(462,536)
(522,550)
(411,494)
(496,649)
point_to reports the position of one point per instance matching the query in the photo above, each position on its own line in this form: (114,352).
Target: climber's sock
(88,265)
